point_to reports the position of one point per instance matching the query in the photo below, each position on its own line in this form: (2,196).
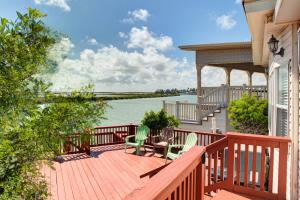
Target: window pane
(283,85)
(282,122)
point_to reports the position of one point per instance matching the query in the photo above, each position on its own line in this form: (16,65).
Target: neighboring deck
(108,174)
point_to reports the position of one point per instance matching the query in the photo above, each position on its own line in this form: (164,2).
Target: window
(278,98)
(282,100)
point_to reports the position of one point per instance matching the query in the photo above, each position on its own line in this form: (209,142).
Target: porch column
(250,73)
(227,97)
(199,87)
(228,72)
(267,79)
(250,78)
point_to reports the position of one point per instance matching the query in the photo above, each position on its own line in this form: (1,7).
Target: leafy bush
(249,115)
(159,120)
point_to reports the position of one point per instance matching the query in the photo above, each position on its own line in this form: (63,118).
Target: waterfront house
(221,166)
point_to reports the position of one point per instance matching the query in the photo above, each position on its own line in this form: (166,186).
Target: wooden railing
(182,179)
(251,164)
(109,135)
(101,135)
(204,138)
(215,165)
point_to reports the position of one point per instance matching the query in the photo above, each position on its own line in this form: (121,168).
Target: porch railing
(212,99)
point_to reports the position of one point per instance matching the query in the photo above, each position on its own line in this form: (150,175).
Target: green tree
(31,133)
(249,115)
(159,120)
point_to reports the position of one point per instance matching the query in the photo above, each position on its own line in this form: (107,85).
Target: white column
(250,73)
(227,93)
(228,72)
(199,87)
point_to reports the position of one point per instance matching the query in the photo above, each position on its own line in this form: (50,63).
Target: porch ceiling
(236,55)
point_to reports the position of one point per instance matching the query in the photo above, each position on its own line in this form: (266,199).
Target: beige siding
(285,38)
(224,56)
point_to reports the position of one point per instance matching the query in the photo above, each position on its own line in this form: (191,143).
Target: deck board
(227,195)
(109,174)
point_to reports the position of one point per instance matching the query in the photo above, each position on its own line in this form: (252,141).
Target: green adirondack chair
(191,140)
(139,139)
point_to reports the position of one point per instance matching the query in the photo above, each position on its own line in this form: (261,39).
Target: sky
(132,45)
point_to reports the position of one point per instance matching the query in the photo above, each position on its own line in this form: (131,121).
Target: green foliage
(249,115)
(159,120)
(29,132)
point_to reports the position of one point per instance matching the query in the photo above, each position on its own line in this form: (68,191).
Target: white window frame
(273,97)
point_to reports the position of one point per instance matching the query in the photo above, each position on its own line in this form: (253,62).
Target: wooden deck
(108,174)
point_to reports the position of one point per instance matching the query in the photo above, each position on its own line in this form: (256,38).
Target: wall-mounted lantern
(273,46)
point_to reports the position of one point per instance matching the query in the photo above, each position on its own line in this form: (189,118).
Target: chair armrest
(128,137)
(170,140)
(174,145)
(181,152)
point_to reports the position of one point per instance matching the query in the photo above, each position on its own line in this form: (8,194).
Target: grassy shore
(111,96)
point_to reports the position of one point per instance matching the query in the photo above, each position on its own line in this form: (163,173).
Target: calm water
(133,110)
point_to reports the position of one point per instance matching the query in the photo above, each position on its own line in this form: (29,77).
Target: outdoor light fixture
(273,46)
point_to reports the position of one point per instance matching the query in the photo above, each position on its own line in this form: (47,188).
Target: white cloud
(92,41)
(57,3)
(147,40)
(137,15)
(123,35)
(226,22)
(140,67)
(238,1)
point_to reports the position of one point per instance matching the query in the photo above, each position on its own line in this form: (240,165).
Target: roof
(216,46)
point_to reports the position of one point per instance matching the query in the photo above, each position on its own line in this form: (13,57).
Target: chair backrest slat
(141,133)
(191,140)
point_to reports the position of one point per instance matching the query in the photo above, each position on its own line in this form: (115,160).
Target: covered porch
(229,57)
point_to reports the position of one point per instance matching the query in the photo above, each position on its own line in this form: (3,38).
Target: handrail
(212,101)
(182,178)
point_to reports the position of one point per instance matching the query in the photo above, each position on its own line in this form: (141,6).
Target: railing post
(131,129)
(230,164)
(177,109)
(199,113)
(200,179)
(244,88)
(282,171)
(164,106)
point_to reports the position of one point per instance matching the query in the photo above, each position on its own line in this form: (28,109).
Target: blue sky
(131,45)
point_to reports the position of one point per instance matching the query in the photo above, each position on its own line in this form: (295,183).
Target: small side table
(161,145)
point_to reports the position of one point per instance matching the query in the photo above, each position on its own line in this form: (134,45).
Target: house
(273,50)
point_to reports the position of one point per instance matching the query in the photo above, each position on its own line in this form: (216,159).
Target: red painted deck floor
(108,174)
(226,195)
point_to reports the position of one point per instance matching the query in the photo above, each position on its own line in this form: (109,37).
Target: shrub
(159,120)
(249,115)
